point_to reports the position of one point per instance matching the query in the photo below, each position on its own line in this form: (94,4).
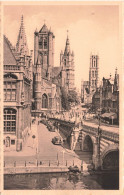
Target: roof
(109,115)
(44,29)
(8,57)
(56,71)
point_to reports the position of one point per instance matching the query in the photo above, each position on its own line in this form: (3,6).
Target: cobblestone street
(42,149)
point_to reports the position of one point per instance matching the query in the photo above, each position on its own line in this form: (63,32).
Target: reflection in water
(61,181)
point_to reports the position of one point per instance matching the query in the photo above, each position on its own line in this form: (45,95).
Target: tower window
(92,73)
(40,44)
(95,73)
(94,63)
(45,44)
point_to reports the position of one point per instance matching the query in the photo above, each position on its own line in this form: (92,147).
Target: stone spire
(67,47)
(21,45)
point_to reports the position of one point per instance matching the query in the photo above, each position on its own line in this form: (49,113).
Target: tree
(73,97)
(64,99)
(68,98)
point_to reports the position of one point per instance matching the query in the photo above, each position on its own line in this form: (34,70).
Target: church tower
(21,45)
(94,73)
(67,64)
(43,62)
(44,46)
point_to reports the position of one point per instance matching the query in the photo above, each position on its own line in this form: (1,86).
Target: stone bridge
(101,141)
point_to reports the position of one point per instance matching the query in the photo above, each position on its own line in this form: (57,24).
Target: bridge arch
(110,158)
(88,143)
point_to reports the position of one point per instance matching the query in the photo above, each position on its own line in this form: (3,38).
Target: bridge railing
(110,136)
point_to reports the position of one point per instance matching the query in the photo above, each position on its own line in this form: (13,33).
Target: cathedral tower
(67,64)
(94,73)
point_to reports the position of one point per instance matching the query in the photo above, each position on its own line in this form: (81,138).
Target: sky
(92,29)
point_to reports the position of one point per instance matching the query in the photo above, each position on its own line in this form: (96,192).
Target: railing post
(25,163)
(82,166)
(73,162)
(49,163)
(66,163)
(4,164)
(37,163)
(57,155)
(15,164)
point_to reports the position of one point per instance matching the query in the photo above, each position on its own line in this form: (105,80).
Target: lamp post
(99,137)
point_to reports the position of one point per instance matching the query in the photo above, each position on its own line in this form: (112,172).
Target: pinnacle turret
(21,45)
(67,47)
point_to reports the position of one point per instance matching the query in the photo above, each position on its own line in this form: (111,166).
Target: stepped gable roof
(56,71)
(8,57)
(44,29)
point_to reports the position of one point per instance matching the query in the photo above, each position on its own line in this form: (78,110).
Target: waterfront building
(106,97)
(110,95)
(17,91)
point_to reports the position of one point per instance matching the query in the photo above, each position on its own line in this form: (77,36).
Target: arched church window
(9,120)
(44,101)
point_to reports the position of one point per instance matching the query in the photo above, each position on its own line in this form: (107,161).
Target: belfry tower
(67,64)
(94,73)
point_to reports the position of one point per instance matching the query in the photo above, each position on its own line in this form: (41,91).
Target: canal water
(61,181)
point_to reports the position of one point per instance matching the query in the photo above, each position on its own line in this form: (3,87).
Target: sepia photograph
(62,66)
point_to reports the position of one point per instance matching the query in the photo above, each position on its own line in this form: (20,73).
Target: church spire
(21,45)
(67,47)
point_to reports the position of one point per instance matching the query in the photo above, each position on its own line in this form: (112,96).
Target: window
(95,73)
(9,120)
(64,61)
(12,142)
(9,91)
(40,44)
(44,101)
(92,73)
(94,63)
(45,44)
